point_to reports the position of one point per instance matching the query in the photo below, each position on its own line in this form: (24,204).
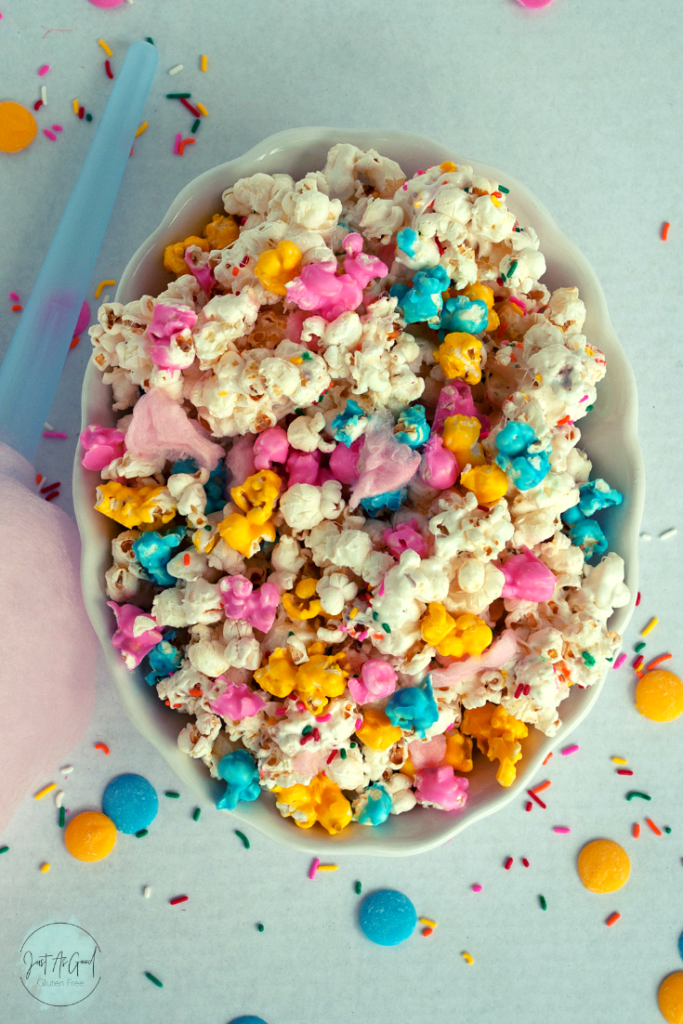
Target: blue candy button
(248,1020)
(131,802)
(387,917)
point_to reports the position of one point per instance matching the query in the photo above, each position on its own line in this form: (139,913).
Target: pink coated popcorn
(136,635)
(455,398)
(270,446)
(429,754)
(203,274)
(303,468)
(378,679)
(439,467)
(321,289)
(237,702)
(344,462)
(102,445)
(441,787)
(527,578)
(160,427)
(241,601)
(168,322)
(406,535)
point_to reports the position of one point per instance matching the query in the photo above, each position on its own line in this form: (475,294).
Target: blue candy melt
(344,423)
(239,771)
(413,428)
(466,316)
(593,496)
(524,468)
(423,300)
(378,807)
(164,660)
(391,500)
(131,802)
(387,917)
(406,241)
(248,1020)
(153,551)
(413,707)
(587,535)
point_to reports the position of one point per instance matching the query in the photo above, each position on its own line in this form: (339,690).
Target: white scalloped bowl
(609,438)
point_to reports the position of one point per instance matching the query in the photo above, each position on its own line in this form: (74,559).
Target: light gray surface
(580,101)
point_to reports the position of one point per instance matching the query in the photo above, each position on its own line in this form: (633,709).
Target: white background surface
(582,102)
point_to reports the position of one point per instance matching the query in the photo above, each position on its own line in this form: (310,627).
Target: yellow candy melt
(670,998)
(257,495)
(245,536)
(275,267)
(377,732)
(465,635)
(304,604)
(221,231)
(90,836)
(279,675)
(321,677)
(460,356)
(132,506)
(321,801)
(461,436)
(489,483)
(659,696)
(458,752)
(603,866)
(497,734)
(174,254)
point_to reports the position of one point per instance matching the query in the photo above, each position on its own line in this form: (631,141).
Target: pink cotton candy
(237,702)
(442,787)
(439,467)
(429,754)
(455,399)
(310,762)
(270,446)
(168,323)
(101,445)
(303,468)
(320,289)
(134,638)
(241,601)
(494,657)
(527,578)
(344,462)
(385,465)
(240,461)
(49,649)
(201,270)
(405,536)
(378,679)
(160,428)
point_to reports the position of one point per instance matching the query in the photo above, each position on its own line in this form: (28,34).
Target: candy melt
(387,917)
(603,866)
(131,802)
(90,836)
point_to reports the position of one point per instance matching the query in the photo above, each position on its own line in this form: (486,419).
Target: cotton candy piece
(500,652)
(160,428)
(49,649)
(385,465)
(240,461)
(237,702)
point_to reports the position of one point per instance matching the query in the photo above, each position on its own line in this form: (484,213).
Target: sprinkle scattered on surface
(542,901)
(570,750)
(106,49)
(561,829)
(508,863)
(314,867)
(646,536)
(612,919)
(202,110)
(260,926)
(426,920)
(624,771)
(143,128)
(528,805)
(45,790)
(104,284)
(620,660)
(205,62)
(4,849)
(542,786)
(103,747)
(67,769)
(244,839)
(155,981)
(668,533)
(107,68)
(638,599)
(636,830)
(665,230)
(652,825)
(467,957)
(547,758)
(62,816)
(197,812)
(178,899)
(44,69)
(359,888)
(476,888)
(537,799)
(143,832)
(50,135)
(176,69)
(619,760)
(45,867)
(59,798)
(639,647)
(525,862)
(147,892)
(635,792)
(657,661)
(328,867)
(650,626)
(172,795)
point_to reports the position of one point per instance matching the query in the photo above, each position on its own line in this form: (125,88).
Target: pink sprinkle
(570,750)
(50,135)
(476,888)
(44,69)
(57,128)
(362,636)
(584,399)
(561,829)
(176,147)
(508,863)
(405,188)
(323,718)
(518,302)
(14,297)
(54,433)
(380,592)
(300,706)
(314,868)
(620,660)
(281,711)
(359,722)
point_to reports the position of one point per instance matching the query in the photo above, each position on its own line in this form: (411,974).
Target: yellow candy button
(18,127)
(659,696)
(603,866)
(670,998)
(90,836)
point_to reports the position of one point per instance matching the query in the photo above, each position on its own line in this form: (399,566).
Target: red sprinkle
(525,862)
(305,739)
(74,341)
(190,107)
(638,599)
(50,497)
(665,230)
(519,691)
(638,662)
(624,771)
(427,931)
(565,419)
(636,830)
(331,757)
(527,688)
(652,825)
(103,747)
(107,68)
(81,112)
(37,105)
(195,693)
(542,786)
(508,863)
(50,487)
(529,805)
(183,143)
(178,899)
(612,919)
(316,735)
(537,799)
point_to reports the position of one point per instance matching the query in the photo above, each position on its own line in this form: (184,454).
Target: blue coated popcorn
(378,807)
(413,707)
(525,469)
(466,316)
(406,240)
(153,551)
(424,300)
(239,770)
(164,660)
(391,500)
(344,423)
(593,496)
(587,535)
(214,488)
(413,428)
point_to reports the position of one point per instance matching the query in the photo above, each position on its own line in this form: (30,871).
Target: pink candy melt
(271,446)
(241,601)
(405,536)
(378,679)
(160,428)
(442,787)
(237,702)
(439,467)
(527,578)
(303,468)
(168,324)
(134,647)
(344,462)
(455,399)
(101,445)
(320,289)
(429,754)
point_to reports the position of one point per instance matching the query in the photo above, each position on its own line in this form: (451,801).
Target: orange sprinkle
(74,341)
(653,826)
(195,693)
(427,931)
(17,307)
(39,477)
(665,230)
(543,785)
(565,419)
(186,559)
(103,747)
(546,759)
(612,919)
(636,830)
(657,661)
(185,142)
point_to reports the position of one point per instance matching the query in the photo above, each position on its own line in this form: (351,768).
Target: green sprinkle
(501,188)
(588,658)
(634,792)
(386,627)
(171,793)
(306,357)
(62,816)
(343,754)
(291,633)
(142,832)
(609,659)
(639,647)
(667,829)
(150,40)
(544,905)
(208,528)
(178,95)
(244,839)
(589,408)
(155,981)
(512,268)
(306,730)
(358,888)
(88,117)
(4,849)
(195,126)
(375,616)
(259,926)
(197,812)
(352,745)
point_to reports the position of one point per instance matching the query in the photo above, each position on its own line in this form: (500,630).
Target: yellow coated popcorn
(221,231)
(461,436)
(174,254)
(132,506)
(497,734)
(257,495)
(460,356)
(454,638)
(322,801)
(489,483)
(377,732)
(279,675)
(244,535)
(458,752)
(304,604)
(320,677)
(275,267)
